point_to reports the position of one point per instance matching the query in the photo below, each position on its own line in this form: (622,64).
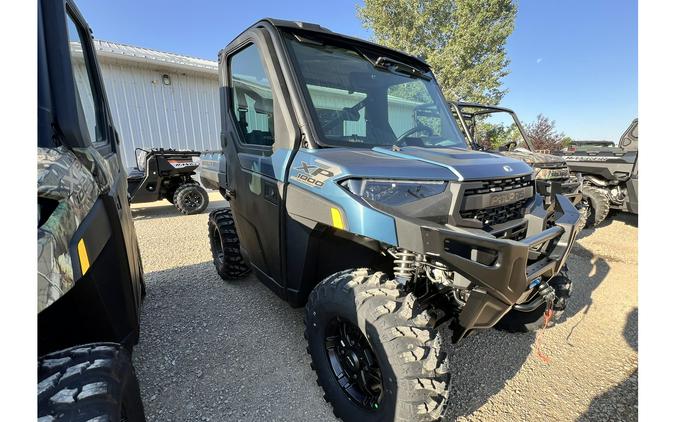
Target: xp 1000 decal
(315,174)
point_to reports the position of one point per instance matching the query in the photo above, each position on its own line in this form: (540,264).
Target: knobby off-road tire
(190,198)
(401,335)
(225,250)
(521,322)
(170,194)
(584,212)
(598,202)
(88,382)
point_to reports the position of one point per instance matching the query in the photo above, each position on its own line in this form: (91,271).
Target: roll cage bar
(458,108)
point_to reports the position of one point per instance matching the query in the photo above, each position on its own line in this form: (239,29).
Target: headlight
(394,192)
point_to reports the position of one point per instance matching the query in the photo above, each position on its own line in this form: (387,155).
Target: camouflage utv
(90,276)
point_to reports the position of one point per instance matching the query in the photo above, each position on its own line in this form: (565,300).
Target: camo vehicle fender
(532,158)
(63,178)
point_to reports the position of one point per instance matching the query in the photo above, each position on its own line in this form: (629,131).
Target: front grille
(500,185)
(514,233)
(490,216)
(497,215)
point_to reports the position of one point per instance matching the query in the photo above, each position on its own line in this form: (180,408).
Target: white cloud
(539,60)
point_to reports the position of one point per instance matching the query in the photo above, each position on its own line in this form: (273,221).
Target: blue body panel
(319,171)
(360,218)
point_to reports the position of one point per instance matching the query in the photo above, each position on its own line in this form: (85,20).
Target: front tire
(389,366)
(190,198)
(225,250)
(89,382)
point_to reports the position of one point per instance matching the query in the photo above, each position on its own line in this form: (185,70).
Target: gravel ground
(215,351)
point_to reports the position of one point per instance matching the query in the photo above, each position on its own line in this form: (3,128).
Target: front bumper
(510,272)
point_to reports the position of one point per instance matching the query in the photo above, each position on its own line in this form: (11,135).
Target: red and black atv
(167,174)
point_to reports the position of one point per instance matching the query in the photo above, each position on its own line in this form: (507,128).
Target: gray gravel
(214,351)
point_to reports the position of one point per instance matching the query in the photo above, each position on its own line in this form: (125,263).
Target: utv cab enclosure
(353,193)
(90,275)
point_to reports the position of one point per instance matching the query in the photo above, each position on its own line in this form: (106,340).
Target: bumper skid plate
(511,277)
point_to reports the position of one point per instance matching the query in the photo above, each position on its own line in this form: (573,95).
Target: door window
(84,82)
(252,100)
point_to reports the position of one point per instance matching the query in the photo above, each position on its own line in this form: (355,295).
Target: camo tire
(597,200)
(522,322)
(227,257)
(90,382)
(190,198)
(403,340)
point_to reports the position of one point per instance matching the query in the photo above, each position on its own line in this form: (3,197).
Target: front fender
(314,194)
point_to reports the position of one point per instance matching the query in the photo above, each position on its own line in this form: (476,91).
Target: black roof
(320,30)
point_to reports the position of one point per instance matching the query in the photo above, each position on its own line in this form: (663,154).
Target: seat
(135,173)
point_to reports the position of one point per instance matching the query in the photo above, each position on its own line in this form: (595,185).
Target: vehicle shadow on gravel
(621,402)
(166,209)
(205,344)
(212,350)
(483,363)
(624,217)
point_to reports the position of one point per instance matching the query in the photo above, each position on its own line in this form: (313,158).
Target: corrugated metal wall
(147,113)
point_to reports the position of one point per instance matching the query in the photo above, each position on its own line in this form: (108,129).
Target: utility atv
(482,123)
(167,174)
(90,275)
(352,192)
(609,174)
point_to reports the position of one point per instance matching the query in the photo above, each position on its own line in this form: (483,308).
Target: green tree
(462,40)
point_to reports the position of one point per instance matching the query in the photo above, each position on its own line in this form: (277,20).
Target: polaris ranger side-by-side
(167,174)
(90,275)
(551,173)
(609,174)
(353,193)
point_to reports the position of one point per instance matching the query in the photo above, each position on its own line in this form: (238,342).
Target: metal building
(160,99)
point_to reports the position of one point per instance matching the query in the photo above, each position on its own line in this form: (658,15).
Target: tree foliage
(544,136)
(462,40)
(491,136)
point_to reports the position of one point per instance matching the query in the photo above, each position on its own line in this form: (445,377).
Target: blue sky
(574,61)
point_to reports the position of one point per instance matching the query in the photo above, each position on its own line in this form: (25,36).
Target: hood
(534,158)
(465,164)
(423,163)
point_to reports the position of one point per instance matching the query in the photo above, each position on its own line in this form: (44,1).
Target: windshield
(493,130)
(361,99)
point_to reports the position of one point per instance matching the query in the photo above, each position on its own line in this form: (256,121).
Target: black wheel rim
(193,200)
(354,364)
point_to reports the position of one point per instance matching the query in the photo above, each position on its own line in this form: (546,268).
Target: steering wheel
(506,146)
(419,128)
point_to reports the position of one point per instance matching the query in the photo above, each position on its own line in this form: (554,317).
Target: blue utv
(352,192)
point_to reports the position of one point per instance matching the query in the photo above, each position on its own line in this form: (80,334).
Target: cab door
(254,187)
(75,121)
